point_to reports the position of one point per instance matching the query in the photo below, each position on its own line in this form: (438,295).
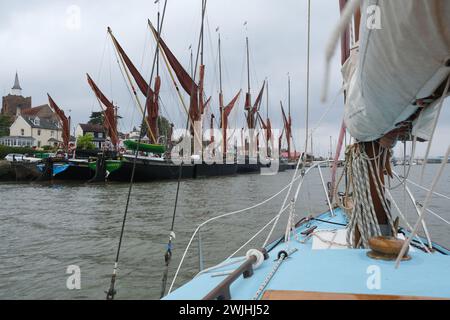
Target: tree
(85,142)
(163,127)
(5,123)
(97,118)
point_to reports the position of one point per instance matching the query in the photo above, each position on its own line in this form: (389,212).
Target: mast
(158,28)
(202,31)
(331,147)
(287,127)
(248,66)
(248,103)
(221,106)
(288,137)
(192,61)
(212,132)
(289,95)
(307,77)
(220,66)
(268,125)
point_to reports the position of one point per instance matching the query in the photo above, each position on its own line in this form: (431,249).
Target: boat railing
(222,291)
(418,208)
(298,175)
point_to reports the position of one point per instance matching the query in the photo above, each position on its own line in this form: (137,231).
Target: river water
(44,228)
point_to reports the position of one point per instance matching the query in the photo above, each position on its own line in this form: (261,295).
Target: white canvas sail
(403,56)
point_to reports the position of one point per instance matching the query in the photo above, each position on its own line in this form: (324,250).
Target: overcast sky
(52,52)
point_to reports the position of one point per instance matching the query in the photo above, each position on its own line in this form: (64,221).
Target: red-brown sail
(206,104)
(280,138)
(267,126)
(287,127)
(251,120)
(110,122)
(152,105)
(141,83)
(201,89)
(224,121)
(64,122)
(152,97)
(183,77)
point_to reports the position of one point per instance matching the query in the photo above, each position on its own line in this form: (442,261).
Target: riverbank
(6,172)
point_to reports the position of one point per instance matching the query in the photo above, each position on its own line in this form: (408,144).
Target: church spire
(16,89)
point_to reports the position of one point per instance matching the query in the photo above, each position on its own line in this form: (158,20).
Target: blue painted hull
(341,270)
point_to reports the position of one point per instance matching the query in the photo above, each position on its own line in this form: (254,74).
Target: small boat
(144,147)
(73,169)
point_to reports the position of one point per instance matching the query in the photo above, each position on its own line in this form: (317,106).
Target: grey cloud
(52,58)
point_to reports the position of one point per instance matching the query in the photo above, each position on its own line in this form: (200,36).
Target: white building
(97,131)
(45,132)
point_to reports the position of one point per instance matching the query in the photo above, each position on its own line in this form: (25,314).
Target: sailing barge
(153,168)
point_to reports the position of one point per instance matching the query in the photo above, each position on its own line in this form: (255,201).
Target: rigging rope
(433,130)
(112,292)
(426,189)
(230,214)
(168,254)
(424,207)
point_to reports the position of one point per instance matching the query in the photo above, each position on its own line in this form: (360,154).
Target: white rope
(272,273)
(425,205)
(363,214)
(226,215)
(331,242)
(290,226)
(226,263)
(439,108)
(299,164)
(425,189)
(404,219)
(256,234)
(289,192)
(326,193)
(438,216)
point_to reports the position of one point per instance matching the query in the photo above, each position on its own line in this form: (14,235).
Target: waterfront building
(42,131)
(97,131)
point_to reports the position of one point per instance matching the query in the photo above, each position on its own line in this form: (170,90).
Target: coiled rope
(363,216)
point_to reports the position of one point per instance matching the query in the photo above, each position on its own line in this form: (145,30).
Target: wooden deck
(308,295)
